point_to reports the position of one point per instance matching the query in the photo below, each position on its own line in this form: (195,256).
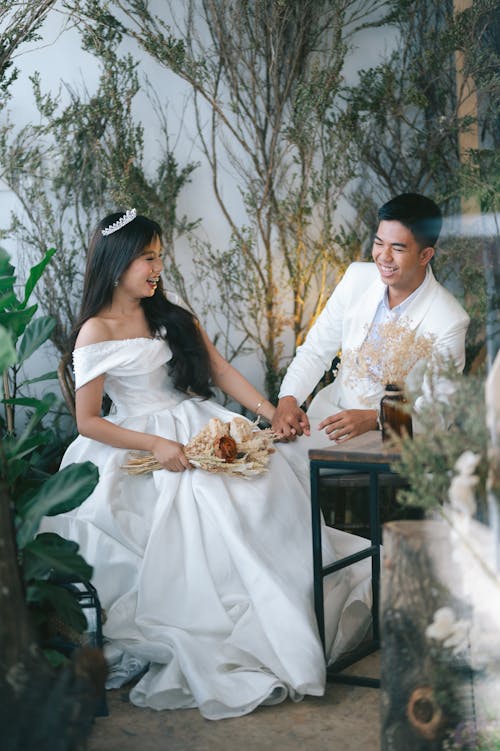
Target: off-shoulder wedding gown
(206,580)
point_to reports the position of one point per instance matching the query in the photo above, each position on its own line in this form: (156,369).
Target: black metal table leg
(334,672)
(317,552)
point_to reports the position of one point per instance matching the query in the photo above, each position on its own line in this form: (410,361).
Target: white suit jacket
(344,324)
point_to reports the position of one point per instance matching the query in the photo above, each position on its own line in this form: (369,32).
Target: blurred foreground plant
(447,427)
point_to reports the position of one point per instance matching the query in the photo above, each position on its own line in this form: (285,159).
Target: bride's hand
(170,454)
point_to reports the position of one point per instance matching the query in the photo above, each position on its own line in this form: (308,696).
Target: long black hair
(107,258)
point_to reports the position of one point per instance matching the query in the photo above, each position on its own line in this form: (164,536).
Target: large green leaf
(35,274)
(7,350)
(16,450)
(40,408)
(50,376)
(17,465)
(55,658)
(39,405)
(12,470)
(17,320)
(8,301)
(67,607)
(35,334)
(7,277)
(49,553)
(64,491)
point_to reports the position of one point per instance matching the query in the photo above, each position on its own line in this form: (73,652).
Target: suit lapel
(417,310)
(363,313)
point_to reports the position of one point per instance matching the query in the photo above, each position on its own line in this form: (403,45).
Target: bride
(206,579)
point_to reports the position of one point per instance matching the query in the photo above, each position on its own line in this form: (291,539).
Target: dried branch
(270,74)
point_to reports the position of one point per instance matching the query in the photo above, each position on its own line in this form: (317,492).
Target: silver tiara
(128,216)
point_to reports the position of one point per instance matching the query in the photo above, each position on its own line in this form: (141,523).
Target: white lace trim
(109,345)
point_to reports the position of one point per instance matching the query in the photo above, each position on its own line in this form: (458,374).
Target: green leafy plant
(448,427)
(19,24)
(25,334)
(81,158)
(33,492)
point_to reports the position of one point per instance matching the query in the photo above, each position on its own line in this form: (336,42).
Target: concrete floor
(346,717)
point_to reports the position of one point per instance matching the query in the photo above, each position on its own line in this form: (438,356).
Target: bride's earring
(116,282)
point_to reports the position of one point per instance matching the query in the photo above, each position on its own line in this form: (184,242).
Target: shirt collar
(398,310)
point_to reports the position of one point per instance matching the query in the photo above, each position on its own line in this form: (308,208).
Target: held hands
(170,454)
(349,423)
(289,420)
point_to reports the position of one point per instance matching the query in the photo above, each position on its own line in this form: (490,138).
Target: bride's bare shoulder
(93,331)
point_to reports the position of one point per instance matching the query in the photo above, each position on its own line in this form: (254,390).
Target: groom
(400,282)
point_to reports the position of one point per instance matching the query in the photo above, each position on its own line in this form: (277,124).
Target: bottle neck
(393,389)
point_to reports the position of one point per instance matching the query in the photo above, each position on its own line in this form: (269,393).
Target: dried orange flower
(225,448)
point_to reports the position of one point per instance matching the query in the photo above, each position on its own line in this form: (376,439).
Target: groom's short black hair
(419,214)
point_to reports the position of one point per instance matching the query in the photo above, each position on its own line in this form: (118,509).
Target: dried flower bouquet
(237,448)
(388,354)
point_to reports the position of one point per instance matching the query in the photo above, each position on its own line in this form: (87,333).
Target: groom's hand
(289,420)
(349,423)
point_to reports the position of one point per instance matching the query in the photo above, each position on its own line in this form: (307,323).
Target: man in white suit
(400,282)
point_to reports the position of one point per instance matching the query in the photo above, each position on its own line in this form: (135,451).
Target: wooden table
(365,454)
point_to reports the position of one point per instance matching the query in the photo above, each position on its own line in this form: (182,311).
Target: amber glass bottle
(393,413)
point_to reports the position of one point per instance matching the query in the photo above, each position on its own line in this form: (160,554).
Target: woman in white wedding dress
(206,579)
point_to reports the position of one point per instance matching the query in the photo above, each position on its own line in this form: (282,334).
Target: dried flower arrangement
(237,448)
(388,354)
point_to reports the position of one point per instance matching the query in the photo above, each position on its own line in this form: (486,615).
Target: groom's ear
(425,255)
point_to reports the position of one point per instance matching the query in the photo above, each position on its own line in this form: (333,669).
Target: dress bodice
(135,373)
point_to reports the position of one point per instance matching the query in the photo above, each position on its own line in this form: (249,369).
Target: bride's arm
(88,399)
(230,380)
